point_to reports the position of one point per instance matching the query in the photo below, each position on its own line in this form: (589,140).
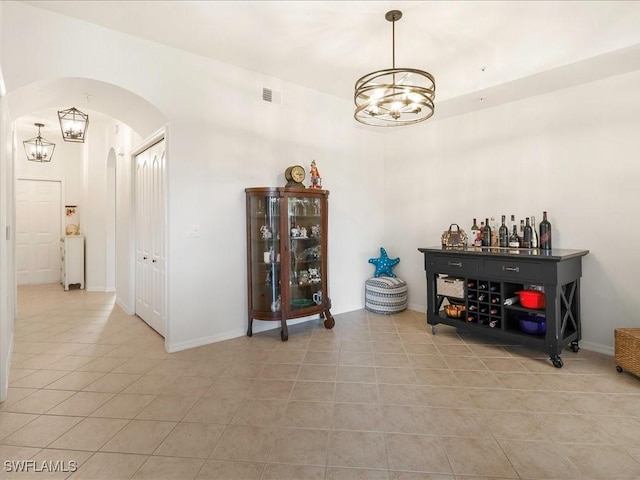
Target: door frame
(62,197)
(158,136)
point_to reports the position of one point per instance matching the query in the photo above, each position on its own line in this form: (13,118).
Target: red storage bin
(531,299)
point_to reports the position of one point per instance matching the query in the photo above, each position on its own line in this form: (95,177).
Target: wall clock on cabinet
(294,176)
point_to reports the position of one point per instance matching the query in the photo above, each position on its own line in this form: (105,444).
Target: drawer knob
(455,264)
(511,269)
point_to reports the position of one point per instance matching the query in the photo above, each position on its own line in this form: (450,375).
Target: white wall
(223,138)
(573,152)
(570,152)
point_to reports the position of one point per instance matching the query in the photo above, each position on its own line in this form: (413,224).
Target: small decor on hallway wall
(316,180)
(384,264)
(73,124)
(72,220)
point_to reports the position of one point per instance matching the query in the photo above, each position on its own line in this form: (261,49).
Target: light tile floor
(377,397)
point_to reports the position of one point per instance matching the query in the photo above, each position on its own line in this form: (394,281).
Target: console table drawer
(513,269)
(459,264)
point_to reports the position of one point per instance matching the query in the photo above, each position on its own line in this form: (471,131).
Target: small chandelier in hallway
(37,148)
(395,96)
(73,124)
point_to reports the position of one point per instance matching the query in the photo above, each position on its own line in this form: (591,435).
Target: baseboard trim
(4,388)
(124,306)
(258,326)
(598,348)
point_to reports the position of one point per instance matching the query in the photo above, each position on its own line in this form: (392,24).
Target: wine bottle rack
(491,275)
(483,301)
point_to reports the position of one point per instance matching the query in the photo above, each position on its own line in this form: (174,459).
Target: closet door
(38,227)
(150,236)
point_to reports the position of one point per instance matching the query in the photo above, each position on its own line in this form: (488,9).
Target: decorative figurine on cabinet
(266,233)
(316,180)
(314,275)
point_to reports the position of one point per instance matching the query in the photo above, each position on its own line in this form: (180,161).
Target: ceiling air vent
(271,96)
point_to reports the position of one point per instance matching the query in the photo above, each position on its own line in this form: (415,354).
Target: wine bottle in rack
(545,233)
(511,300)
(486,234)
(482,297)
(493,311)
(527,234)
(503,234)
(471,284)
(482,286)
(514,239)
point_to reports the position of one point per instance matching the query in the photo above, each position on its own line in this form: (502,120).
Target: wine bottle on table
(545,233)
(527,234)
(475,233)
(486,234)
(534,237)
(503,234)
(514,239)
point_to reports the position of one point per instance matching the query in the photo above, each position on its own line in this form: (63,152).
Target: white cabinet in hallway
(72,250)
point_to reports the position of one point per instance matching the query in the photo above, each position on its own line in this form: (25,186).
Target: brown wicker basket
(627,355)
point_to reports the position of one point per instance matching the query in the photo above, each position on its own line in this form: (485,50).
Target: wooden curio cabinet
(287,255)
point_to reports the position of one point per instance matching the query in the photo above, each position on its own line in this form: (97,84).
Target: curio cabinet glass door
(287,255)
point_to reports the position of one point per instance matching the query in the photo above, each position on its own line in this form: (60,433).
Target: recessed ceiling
(481,53)
(468,46)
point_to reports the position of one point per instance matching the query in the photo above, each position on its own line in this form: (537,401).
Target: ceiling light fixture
(37,148)
(73,124)
(395,96)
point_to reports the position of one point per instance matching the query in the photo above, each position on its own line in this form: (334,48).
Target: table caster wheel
(557,361)
(619,368)
(574,347)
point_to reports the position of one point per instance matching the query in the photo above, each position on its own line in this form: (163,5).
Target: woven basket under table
(627,354)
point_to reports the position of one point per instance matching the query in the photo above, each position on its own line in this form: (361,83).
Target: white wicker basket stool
(385,295)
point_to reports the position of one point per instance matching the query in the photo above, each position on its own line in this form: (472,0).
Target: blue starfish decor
(384,264)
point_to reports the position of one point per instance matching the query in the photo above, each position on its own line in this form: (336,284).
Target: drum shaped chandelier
(37,148)
(395,96)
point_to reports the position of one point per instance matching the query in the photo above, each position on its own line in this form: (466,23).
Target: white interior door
(150,236)
(38,230)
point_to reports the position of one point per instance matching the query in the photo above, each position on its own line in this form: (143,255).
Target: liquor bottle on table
(534,237)
(503,234)
(486,234)
(494,232)
(528,233)
(514,239)
(545,233)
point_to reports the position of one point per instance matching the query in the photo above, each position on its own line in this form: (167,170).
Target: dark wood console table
(489,275)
